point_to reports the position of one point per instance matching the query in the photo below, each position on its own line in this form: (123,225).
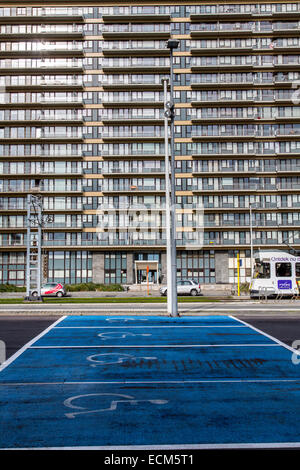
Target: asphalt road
(16,331)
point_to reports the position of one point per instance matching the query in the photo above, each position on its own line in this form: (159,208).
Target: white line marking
(148,326)
(162,382)
(28,345)
(267,445)
(280,343)
(158,346)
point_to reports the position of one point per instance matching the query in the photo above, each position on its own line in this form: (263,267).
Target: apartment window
(115,268)
(197,265)
(69,267)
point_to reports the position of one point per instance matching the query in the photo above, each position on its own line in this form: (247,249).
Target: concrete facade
(98,268)
(221,265)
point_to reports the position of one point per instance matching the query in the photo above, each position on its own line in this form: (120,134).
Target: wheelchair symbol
(125,320)
(119,335)
(116,400)
(115,358)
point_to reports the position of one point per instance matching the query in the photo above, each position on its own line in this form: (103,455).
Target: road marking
(119,335)
(157,346)
(280,343)
(267,445)
(113,404)
(29,344)
(149,326)
(157,382)
(115,358)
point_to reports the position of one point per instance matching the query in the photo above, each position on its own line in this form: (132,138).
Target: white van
(275,273)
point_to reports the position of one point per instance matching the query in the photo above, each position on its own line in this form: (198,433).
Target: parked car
(185,288)
(51,289)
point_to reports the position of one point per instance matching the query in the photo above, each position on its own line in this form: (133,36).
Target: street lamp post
(251,240)
(170,172)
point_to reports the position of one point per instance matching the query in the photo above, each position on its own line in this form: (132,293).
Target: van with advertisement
(275,273)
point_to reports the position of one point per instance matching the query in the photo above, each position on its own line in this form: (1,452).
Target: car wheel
(59,294)
(193,292)
(34,294)
(165,293)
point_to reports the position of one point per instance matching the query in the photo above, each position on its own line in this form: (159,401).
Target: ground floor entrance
(146,272)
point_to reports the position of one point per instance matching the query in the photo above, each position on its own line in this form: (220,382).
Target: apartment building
(82,125)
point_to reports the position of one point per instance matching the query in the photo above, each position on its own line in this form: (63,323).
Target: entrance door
(142,276)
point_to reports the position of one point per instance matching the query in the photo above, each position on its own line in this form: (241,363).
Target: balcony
(42,15)
(133,120)
(237,135)
(54,118)
(16,67)
(133,189)
(202,101)
(41,190)
(74,33)
(140,17)
(220,31)
(107,68)
(129,102)
(121,86)
(107,33)
(70,102)
(119,51)
(206,50)
(135,171)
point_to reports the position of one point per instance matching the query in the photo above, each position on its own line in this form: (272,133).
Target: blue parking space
(87,383)
(90,364)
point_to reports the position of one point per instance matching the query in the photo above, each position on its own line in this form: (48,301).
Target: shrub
(91,286)
(245,287)
(11,288)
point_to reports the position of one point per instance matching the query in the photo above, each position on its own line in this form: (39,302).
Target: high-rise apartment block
(82,125)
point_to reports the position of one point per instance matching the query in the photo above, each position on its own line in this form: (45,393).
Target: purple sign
(284,284)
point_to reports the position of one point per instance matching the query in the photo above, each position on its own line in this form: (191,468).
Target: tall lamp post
(251,240)
(170,191)
(251,205)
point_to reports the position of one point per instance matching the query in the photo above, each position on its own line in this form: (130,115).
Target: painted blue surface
(133,336)
(137,320)
(128,396)
(90,364)
(154,415)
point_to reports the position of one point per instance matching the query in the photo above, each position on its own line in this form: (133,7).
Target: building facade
(82,124)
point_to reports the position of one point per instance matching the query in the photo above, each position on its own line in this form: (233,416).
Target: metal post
(39,250)
(35,223)
(168,201)
(173,44)
(238,271)
(28,248)
(251,241)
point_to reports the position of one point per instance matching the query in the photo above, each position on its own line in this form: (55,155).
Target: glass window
(262,270)
(283,269)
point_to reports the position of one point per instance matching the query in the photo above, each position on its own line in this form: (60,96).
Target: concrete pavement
(246,307)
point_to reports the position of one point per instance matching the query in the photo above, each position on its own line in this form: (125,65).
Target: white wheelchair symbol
(119,335)
(115,358)
(125,320)
(117,399)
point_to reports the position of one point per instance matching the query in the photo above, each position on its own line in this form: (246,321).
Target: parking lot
(126,382)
